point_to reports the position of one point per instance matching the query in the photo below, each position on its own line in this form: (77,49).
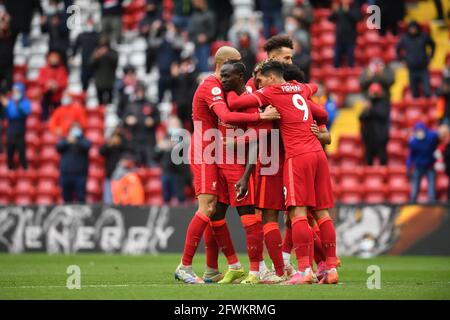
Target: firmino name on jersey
(291,88)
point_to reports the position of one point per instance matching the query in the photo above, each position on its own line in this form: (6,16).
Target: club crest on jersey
(216,91)
(213,187)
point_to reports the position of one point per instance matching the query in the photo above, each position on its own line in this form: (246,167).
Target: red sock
(193,236)
(319,254)
(287,241)
(302,239)
(254,235)
(223,239)
(328,237)
(272,238)
(311,249)
(211,248)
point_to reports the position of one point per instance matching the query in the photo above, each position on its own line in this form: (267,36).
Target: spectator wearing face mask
(55,24)
(53,80)
(86,42)
(417,48)
(127,188)
(70,112)
(301,58)
(202,31)
(104,61)
(112,11)
(295,32)
(375,125)
(248,56)
(153,12)
(140,121)
(74,164)
(421,160)
(174,177)
(184,78)
(377,72)
(346,16)
(16,110)
(112,151)
(126,88)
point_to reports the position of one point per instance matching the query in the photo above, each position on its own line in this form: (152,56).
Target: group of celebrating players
(276,98)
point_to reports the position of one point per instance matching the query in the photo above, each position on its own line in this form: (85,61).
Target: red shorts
(206,178)
(228,177)
(307,181)
(269,193)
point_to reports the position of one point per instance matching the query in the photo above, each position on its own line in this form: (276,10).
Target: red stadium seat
(33,123)
(47,187)
(352,85)
(96,123)
(95,136)
(49,171)
(350,197)
(24,199)
(49,154)
(49,139)
(442,183)
(153,186)
(45,199)
(32,139)
(154,172)
(95,156)
(96,171)
(94,187)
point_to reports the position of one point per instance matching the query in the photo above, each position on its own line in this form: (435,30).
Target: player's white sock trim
(262,266)
(286,258)
(236,265)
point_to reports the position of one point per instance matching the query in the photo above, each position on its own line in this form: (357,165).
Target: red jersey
(208,106)
(250,85)
(290,99)
(208,94)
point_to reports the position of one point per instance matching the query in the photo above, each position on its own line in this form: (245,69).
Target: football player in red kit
(208,106)
(280,48)
(306,177)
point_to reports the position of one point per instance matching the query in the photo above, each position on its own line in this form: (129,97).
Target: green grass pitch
(41,276)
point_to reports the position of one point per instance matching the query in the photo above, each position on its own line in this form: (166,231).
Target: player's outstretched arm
(224,114)
(245,101)
(231,97)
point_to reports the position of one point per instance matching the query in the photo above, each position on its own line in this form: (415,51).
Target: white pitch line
(90,286)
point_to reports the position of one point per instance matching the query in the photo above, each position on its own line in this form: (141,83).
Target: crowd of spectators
(180,51)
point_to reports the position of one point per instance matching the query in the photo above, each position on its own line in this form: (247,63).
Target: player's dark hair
(274,67)
(278,42)
(293,72)
(238,66)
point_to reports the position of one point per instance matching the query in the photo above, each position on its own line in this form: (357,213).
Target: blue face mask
(76,132)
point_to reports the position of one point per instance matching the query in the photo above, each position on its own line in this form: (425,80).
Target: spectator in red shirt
(66,115)
(53,80)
